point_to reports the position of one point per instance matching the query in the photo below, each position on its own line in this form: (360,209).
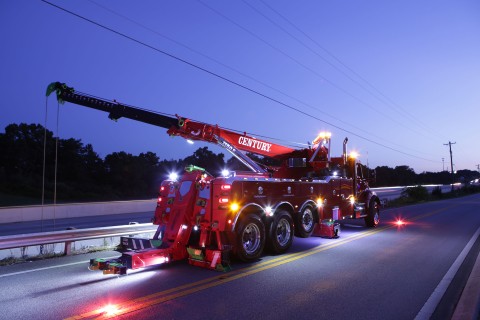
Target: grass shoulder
(419,194)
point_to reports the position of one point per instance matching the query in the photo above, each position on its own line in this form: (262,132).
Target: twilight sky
(398,78)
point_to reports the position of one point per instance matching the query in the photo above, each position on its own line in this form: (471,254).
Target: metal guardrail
(69,236)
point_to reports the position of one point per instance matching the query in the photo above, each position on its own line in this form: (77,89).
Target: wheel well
(253,208)
(287,207)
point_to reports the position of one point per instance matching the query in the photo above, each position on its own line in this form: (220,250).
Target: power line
(249,77)
(385,98)
(333,84)
(229,80)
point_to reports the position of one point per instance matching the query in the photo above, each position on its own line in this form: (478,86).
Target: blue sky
(398,78)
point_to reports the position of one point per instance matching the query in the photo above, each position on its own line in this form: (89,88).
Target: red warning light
(109,310)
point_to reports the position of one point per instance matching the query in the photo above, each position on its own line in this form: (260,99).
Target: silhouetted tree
(21,158)
(83,175)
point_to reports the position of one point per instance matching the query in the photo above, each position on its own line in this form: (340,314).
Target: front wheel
(250,238)
(280,234)
(373,217)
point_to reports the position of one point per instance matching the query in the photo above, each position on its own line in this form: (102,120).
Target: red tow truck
(205,219)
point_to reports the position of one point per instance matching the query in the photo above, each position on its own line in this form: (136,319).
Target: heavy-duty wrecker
(206,219)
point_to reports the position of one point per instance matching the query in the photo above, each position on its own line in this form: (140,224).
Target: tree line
(81,175)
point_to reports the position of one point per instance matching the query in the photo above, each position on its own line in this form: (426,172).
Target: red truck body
(207,219)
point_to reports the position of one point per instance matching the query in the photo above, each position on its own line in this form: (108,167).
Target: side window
(205,192)
(185,187)
(359,171)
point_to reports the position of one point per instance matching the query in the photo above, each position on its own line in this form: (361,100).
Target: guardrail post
(68,248)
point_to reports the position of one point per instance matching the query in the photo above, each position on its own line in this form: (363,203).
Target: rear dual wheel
(250,238)
(280,234)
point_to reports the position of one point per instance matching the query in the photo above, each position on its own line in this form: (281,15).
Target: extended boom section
(207,219)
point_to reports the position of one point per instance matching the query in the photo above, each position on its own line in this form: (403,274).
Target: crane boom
(190,129)
(203,218)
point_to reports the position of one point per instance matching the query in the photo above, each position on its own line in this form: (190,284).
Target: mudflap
(327,229)
(213,259)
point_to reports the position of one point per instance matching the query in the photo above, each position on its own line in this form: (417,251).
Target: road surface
(385,273)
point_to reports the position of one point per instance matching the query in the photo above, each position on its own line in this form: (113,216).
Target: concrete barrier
(72,210)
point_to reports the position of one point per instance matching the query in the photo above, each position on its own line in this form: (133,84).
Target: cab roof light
(173,176)
(322,136)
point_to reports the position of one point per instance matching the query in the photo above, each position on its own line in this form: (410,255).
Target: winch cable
(55,165)
(44,156)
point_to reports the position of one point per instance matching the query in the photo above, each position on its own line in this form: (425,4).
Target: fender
(366,196)
(369,197)
(258,208)
(242,209)
(274,208)
(313,204)
(309,202)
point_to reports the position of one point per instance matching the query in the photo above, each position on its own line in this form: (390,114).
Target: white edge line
(47,268)
(432,302)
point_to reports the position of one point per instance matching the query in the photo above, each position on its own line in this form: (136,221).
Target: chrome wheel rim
(307,219)
(283,232)
(251,238)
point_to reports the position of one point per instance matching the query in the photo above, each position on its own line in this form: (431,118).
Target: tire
(305,222)
(373,217)
(250,236)
(280,233)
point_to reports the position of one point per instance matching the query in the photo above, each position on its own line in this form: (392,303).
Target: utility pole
(443,164)
(449,144)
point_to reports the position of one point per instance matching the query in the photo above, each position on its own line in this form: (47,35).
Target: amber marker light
(234,207)
(322,136)
(354,155)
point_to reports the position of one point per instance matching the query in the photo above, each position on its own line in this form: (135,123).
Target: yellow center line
(190,288)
